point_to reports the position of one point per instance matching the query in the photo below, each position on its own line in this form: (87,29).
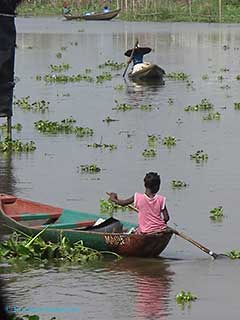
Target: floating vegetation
(169,141)
(105,76)
(108,206)
(212,116)
(199,156)
(59,55)
(12,316)
(177,76)
(204,105)
(89,168)
(112,64)
(122,106)
(65,126)
(237,105)
(178,184)
(8,145)
(233,254)
(226,86)
(108,119)
(216,213)
(35,250)
(88,70)
(62,78)
(38,77)
(37,106)
(119,87)
(184,297)
(16,126)
(152,140)
(103,146)
(59,68)
(170,101)
(149,153)
(146,107)
(205,77)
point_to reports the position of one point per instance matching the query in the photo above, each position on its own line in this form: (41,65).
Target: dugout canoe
(94,16)
(31,217)
(147,71)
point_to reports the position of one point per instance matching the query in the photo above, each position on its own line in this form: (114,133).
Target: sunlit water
(132,288)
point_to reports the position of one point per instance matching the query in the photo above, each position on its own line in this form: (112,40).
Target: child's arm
(165,215)
(114,198)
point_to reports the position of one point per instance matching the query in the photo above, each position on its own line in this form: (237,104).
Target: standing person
(152,211)
(66,9)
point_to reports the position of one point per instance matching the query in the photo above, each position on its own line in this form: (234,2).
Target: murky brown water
(132,288)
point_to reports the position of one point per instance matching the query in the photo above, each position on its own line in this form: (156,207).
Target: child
(152,211)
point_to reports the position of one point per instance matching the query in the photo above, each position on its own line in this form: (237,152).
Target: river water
(132,288)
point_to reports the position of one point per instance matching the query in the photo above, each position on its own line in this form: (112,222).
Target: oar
(187,238)
(130,58)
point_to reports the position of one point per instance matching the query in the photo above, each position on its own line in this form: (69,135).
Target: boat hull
(16,214)
(95,16)
(148,72)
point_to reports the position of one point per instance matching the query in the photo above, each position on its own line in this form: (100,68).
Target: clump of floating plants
(112,64)
(20,247)
(119,87)
(216,213)
(237,105)
(238,77)
(146,107)
(105,76)
(89,168)
(108,206)
(152,140)
(212,116)
(59,55)
(26,105)
(108,119)
(63,78)
(177,76)
(170,100)
(204,105)
(178,184)
(149,153)
(16,126)
(65,126)
(103,146)
(205,77)
(169,141)
(12,316)
(184,297)
(8,145)
(199,155)
(59,67)
(122,106)
(233,254)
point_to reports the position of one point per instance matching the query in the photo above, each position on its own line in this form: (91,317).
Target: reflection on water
(7,178)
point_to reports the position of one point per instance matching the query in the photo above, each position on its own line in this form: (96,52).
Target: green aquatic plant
(199,155)
(216,213)
(83,132)
(169,141)
(105,76)
(16,126)
(112,64)
(8,145)
(146,107)
(108,206)
(103,146)
(59,55)
(170,100)
(108,119)
(122,106)
(149,153)
(177,76)
(119,87)
(152,140)
(205,77)
(212,116)
(38,77)
(204,105)
(62,78)
(233,254)
(183,297)
(89,168)
(237,105)
(178,184)
(26,105)
(59,68)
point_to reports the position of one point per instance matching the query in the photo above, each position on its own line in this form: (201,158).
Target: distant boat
(94,16)
(111,234)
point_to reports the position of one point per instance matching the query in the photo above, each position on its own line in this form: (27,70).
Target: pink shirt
(149,212)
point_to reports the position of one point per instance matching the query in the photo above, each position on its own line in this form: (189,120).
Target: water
(132,288)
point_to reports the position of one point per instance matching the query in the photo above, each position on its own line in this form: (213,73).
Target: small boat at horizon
(100,234)
(94,16)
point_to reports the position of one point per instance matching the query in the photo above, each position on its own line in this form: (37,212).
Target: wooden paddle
(187,238)
(130,58)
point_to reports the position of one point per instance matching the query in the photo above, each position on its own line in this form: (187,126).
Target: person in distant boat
(152,211)
(106,9)
(66,8)
(136,56)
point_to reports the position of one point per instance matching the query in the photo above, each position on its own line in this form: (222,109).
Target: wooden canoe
(148,71)
(94,16)
(32,217)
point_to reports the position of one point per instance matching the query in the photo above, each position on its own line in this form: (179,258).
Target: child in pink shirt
(152,211)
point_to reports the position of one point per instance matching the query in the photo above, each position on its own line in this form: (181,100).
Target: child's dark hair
(152,181)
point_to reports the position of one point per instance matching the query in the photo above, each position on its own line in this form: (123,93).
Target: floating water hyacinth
(169,141)
(204,105)
(8,145)
(184,297)
(233,254)
(152,140)
(122,106)
(216,213)
(119,87)
(212,116)
(237,105)
(59,68)
(112,64)
(199,155)
(178,184)
(90,168)
(177,76)
(62,78)
(105,76)
(103,146)
(16,126)
(149,153)
(146,107)
(108,206)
